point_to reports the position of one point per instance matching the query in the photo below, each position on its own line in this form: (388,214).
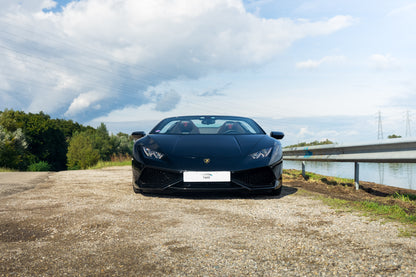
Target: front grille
(259,177)
(151,177)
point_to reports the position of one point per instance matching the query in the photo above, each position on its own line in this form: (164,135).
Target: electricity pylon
(408,130)
(380,127)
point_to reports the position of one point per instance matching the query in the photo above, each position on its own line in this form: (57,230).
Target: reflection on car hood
(220,146)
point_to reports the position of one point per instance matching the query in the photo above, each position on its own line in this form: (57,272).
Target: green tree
(47,138)
(12,148)
(81,152)
(122,144)
(48,141)
(394,136)
(102,142)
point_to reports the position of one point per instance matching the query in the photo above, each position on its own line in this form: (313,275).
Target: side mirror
(138,135)
(277,135)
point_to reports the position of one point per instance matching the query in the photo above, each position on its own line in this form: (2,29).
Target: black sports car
(205,153)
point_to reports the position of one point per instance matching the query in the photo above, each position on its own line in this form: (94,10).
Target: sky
(316,69)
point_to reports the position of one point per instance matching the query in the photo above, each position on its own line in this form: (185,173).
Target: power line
(85,48)
(95,71)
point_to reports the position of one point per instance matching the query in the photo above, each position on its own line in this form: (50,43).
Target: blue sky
(313,69)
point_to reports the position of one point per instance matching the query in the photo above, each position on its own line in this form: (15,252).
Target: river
(400,175)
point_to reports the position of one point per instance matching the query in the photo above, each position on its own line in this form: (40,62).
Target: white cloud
(84,101)
(48,4)
(312,64)
(126,46)
(383,62)
(407,11)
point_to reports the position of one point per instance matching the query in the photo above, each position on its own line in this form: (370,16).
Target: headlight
(277,153)
(261,154)
(152,154)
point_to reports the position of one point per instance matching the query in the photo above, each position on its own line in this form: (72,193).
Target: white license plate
(207,176)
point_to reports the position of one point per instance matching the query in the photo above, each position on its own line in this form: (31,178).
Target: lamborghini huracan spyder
(207,153)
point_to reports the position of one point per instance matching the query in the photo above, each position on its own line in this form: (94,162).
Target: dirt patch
(20,231)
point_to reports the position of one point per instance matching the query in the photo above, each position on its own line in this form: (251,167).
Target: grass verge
(325,179)
(375,210)
(372,200)
(5,169)
(103,164)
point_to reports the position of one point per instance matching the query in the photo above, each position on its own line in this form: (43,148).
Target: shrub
(81,153)
(40,166)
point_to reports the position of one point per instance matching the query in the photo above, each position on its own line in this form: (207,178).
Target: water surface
(400,175)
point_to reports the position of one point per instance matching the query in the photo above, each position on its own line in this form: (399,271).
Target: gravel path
(82,223)
(15,182)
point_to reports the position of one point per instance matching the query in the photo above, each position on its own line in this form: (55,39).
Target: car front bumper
(152,179)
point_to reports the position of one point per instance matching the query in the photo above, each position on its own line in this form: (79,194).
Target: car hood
(207,152)
(223,146)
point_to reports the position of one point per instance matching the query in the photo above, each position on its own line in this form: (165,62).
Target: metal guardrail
(392,151)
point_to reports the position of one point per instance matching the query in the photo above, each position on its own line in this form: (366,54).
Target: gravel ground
(80,223)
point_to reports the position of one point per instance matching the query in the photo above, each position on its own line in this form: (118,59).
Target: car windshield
(209,125)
